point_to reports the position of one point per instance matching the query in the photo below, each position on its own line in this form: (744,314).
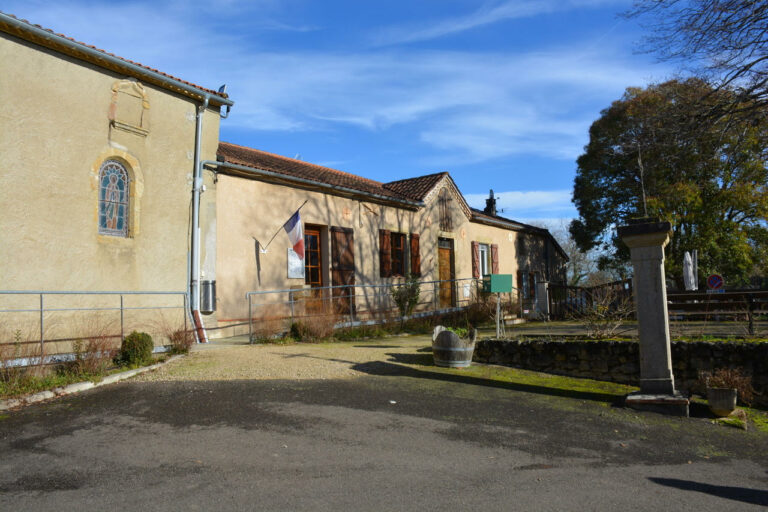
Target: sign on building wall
(295,265)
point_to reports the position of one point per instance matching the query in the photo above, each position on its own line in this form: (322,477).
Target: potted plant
(453,347)
(724,387)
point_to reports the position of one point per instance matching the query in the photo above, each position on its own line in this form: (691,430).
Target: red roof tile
(249,157)
(415,188)
(20,32)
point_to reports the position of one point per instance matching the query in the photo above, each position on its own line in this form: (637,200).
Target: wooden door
(343,270)
(445,272)
(313,270)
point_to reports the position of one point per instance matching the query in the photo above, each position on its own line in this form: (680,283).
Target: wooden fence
(572,302)
(731,305)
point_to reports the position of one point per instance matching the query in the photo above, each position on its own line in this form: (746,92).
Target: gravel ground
(236,360)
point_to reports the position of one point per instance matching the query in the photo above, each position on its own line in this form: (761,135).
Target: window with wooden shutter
(485,259)
(385,253)
(397,254)
(475,260)
(415,256)
(494,259)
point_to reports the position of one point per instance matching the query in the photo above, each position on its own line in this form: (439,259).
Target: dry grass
(314,327)
(179,338)
(730,378)
(271,322)
(93,356)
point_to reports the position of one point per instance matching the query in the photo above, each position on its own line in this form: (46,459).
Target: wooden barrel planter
(450,351)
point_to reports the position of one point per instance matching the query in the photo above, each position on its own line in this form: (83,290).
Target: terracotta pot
(722,401)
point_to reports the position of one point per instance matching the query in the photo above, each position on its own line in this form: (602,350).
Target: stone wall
(618,361)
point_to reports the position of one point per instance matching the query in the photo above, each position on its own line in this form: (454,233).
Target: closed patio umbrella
(688,278)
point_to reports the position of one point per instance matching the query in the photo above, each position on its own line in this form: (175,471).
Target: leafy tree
(726,40)
(647,156)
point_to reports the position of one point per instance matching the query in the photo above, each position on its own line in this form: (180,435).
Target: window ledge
(119,241)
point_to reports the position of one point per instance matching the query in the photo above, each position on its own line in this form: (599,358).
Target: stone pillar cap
(644,226)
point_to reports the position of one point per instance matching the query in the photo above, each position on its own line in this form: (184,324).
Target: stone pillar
(646,240)
(646,243)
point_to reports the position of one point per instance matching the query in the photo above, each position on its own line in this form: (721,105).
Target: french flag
(295,234)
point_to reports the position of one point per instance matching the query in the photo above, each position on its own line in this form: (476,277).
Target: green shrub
(136,349)
(461,332)
(406,295)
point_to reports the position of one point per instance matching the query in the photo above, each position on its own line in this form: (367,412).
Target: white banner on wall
(295,265)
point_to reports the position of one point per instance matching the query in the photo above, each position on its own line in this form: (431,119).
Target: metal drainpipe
(197,184)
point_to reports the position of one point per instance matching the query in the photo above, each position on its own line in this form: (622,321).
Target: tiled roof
(22,28)
(415,188)
(249,157)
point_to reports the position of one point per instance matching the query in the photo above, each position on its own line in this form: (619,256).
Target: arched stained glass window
(113,199)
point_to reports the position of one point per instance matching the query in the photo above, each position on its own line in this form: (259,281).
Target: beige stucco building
(98,155)
(99,193)
(359,233)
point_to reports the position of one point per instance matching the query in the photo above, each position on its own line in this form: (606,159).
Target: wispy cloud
(491,12)
(477,106)
(461,106)
(532,206)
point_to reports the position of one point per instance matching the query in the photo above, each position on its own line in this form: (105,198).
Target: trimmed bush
(136,349)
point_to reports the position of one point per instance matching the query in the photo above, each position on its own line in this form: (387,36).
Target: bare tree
(723,40)
(582,267)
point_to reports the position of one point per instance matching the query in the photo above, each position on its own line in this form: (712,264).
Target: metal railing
(349,305)
(573,302)
(42,308)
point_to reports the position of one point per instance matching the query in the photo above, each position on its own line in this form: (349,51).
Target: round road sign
(715,282)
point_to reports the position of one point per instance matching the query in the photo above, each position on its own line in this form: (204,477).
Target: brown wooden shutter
(494,259)
(475,260)
(385,253)
(415,255)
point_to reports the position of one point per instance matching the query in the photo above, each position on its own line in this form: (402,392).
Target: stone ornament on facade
(129,109)
(447,183)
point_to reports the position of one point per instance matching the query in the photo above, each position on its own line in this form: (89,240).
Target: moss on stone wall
(618,361)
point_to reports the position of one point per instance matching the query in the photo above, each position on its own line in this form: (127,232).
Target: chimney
(490,205)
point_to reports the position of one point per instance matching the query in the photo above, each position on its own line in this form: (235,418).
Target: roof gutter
(303,181)
(513,226)
(99,55)
(502,224)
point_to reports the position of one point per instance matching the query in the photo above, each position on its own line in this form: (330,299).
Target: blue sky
(500,94)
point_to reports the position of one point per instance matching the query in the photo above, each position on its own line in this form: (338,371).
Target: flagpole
(281,227)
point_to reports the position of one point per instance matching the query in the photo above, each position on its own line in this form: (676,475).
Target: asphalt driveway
(397,437)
